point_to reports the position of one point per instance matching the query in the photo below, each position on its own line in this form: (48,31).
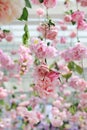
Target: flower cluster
(78,52)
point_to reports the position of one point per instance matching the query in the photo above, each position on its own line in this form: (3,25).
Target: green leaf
(14,87)
(67,12)
(6,31)
(29,108)
(24,15)
(48,44)
(25,36)
(37,61)
(67,76)
(14,105)
(73,108)
(73,22)
(79,69)
(71,11)
(41,1)
(1,102)
(74,67)
(28,4)
(50,22)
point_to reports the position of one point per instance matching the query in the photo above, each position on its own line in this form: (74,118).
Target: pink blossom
(32,116)
(83,102)
(40,70)
(3,93)
(82,25)
(78,83)
(77,52)
(62,40)
(42,51)
(40,12)
(46,88)
(10,10)
(48,32)
(78,15)
(25,60)
(67,18)
(82,2)
(9,36)
(73,34)
(63,69)
(58,117)
(2,34)
(63,27)
(50,3)
(6,61)
(35,2)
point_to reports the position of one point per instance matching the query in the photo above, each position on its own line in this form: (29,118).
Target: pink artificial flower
(82,25)
(78,83)
(84,3)
(6,61)
(62,40)
(67,18)
(3,93)
(2,34)
(78,16)
(63,27)
(63,69)
(42,51)
(25,60)
(73,34)
(58,117)
(35,2)
(9,36)
(50,3)
(32,116)
(48,32)
(40,12)
(78,52)
(41,70)
(45,88)
(10,10)
(53,75)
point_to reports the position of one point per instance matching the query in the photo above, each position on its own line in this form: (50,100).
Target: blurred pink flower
(9,36)
(41,50)
(82,25)
(3,93)
(78,52)
(82,2)
(48,32)
(25,60)
(73,34)
(40,12)
(67,18)
(63,27)
(62,40)
(35,1)
(78,83)
(50,3)
(10,10)
(77,16)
